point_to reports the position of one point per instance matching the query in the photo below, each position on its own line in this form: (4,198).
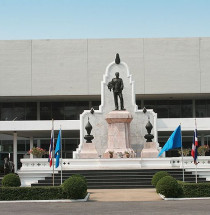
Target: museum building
(41,80)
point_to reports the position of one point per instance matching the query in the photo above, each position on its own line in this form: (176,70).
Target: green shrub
(157,176)
(11,180)
(80,176)
(169,187)
(31,193)
(75,187)
(191,190)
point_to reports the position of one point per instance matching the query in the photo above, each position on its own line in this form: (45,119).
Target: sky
(82,19)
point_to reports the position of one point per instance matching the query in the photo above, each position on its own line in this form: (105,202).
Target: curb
(182,199)
(50,201)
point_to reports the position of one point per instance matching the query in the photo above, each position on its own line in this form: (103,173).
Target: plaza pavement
(126,195)
(109,202)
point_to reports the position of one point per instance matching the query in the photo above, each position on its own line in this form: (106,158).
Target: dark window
(7,112)
(45,111)
(19,111)
(72,110)
(21,146)
(200,108)
(174,109)
(31,111)
(186,109)
(58,110)
(208,108)
(162,109)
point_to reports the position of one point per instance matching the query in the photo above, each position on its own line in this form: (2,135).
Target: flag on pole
(174,141)
(194,151)
(58,149)
(51,146)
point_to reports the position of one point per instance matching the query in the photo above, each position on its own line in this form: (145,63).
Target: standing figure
(8,166)
(117,86)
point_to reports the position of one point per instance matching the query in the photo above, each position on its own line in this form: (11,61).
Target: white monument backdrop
(97,119)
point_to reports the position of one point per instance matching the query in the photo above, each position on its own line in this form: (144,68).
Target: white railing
(41,164)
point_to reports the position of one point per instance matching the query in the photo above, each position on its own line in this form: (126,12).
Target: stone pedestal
(88,151)
(118,133)
(149,150)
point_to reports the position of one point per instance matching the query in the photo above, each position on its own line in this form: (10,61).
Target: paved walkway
(120,195)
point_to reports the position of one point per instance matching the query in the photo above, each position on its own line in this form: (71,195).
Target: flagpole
(61,158)
(53,154)
(196,163)
(182,157)
(196,174)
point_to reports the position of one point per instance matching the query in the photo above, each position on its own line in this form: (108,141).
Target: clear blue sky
(67,19)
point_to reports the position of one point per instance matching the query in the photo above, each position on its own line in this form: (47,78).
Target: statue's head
(117,74)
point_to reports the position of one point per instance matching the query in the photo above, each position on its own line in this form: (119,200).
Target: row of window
(72,110)
(48,110)
(171,108)
(23,146)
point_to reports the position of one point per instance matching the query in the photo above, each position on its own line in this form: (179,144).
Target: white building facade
(59,79)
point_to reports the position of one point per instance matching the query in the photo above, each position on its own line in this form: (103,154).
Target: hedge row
(191,190)
(31,193)
(171,188)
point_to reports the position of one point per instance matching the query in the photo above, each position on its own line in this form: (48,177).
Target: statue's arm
(122,85)
(110,85)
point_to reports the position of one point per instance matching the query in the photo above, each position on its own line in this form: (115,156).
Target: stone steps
(114,179)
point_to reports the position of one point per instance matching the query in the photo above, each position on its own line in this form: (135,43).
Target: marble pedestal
(149,150)
(118,133)
(88,151)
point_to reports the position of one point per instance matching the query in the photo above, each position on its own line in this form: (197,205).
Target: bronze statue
(117,86)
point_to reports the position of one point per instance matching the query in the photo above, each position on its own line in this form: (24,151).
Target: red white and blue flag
(51,146)
(194,151)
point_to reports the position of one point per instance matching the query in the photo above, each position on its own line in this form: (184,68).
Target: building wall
(76,67)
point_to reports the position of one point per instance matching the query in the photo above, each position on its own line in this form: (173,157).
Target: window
(58,110)
(174,108)
(162,109)
(200,108)
(45,111)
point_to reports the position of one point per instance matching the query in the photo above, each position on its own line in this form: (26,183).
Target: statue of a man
(117,86)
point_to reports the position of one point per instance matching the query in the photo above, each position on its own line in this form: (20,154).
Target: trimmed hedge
(157,176)
(191,190)
(75,187)
(80,176)
(31,193)
(11,180)
(169,187)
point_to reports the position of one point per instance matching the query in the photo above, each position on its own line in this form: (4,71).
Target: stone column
(202,139)
(118,132)
(31,146)
(15,150)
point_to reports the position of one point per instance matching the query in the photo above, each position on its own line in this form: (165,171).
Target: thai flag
(194,151)
(51,147)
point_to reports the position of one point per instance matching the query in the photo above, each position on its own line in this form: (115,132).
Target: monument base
(149,150)
(88,151)
(119,135)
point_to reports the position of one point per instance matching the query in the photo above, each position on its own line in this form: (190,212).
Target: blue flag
(58,150)
(174,141)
